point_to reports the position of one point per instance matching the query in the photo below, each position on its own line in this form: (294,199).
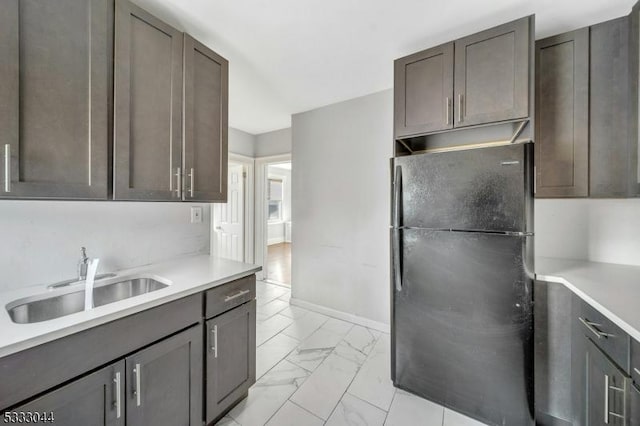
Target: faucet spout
(83,263)
(88,286)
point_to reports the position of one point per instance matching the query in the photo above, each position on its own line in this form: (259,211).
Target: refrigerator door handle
(397,194)
(397,232)
(397,258)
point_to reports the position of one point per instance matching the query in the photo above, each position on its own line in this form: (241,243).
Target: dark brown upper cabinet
(55,98)
(613,142)
(205,122)
(481,79)
(148,110)
(424,91)
(587,111)
(171,112)
(562,115)
(492,74)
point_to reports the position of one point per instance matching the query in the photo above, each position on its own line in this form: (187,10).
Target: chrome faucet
(83,265)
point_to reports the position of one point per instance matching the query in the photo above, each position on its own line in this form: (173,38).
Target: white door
(228,219)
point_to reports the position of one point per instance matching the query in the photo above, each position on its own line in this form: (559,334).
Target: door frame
(248,165)
(261,206)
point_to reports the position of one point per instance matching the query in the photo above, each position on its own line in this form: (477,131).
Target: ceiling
(290,56)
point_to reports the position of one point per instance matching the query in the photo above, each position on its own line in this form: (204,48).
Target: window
(274,194)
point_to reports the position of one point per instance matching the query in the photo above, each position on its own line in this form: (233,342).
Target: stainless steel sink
(37,308)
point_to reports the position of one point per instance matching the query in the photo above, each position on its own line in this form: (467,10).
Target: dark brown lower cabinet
(230,358)
(606,389)
(164,382)
(94,400)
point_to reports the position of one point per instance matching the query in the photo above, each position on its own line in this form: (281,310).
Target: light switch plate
(196,214)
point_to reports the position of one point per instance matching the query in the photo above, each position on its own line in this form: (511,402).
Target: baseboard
(277,240)
(334,313)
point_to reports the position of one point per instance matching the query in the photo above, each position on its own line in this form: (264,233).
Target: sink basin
(34,309)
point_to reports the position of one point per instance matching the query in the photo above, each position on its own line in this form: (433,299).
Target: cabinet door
(205,122)
(424,91)
(94,400)
(148,111)
(164,382)
(562,115)
(55,98)
(492,74)
(606,390)
(553,353)
(634,405)
(231,358)
(612,160)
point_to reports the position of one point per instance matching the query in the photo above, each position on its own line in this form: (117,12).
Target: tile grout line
(393,398)
(352,379)
(301,407)
(358,369)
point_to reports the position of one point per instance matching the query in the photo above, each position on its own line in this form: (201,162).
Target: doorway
(279,225)
(231,233)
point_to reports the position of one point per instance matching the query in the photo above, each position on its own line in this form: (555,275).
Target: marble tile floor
(316,370)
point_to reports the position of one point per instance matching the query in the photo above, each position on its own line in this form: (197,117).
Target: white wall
(341,238)
(242,143)
(41,240)
(273,143)
(597,230)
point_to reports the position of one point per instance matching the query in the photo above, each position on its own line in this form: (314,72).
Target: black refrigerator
(462,280)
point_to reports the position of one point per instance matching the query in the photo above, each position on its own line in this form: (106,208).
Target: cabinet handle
(118,402)
(448,106)
(606,399)
(637,371)
(591,326)
(192,182)
(235,296)
(7,168)
(214,347)
(460,108)
(607,412)
(137,390)
(178,182)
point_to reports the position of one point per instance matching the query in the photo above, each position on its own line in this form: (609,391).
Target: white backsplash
(41,240)
(597,230)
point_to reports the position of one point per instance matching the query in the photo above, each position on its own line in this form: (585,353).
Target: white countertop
(613,290)
(187,276)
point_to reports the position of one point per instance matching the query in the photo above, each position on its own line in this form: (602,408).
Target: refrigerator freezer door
(462,324)
(487,189)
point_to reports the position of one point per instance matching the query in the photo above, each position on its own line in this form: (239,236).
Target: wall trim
(334,313)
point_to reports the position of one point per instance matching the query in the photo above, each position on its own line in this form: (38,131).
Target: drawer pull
(591,326)
(235,296)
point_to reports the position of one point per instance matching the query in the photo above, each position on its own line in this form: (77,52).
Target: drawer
(606,335)
(635,361)
(230,295)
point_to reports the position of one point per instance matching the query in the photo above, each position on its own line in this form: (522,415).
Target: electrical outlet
(196,214)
